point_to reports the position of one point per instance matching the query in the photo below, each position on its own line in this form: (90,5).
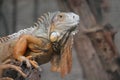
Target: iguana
(49,39)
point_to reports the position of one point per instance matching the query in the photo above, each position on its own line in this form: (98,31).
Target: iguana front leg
(21,46)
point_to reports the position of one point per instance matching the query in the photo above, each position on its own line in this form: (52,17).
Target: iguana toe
(34,64)
(23,58)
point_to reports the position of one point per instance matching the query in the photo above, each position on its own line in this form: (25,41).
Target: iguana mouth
(76,22)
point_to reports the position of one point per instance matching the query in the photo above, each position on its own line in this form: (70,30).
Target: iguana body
(44,41)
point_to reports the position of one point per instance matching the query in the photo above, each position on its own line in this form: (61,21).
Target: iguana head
(53,25)
(62,23)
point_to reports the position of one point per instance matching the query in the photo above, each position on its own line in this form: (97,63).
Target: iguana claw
(27,61)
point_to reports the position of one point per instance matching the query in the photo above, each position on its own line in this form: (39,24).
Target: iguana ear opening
(63,63)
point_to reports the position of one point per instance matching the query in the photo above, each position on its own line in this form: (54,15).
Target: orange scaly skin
(21,46)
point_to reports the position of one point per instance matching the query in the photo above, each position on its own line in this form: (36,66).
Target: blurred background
(20,14)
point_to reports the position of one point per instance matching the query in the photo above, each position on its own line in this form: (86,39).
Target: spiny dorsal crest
(42,19)
(42,24)
(45,20)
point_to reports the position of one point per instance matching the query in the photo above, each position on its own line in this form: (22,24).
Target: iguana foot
(33,62)
(27,61)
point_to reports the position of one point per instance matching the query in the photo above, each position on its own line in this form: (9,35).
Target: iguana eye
(60,16)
